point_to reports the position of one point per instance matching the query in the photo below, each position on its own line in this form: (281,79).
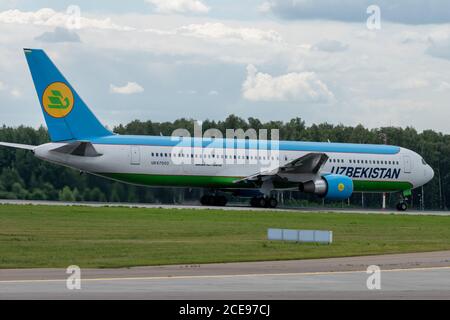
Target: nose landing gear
(402,206)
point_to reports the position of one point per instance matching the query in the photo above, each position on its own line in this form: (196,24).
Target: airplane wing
(18,146)
(307,166)
(310,163)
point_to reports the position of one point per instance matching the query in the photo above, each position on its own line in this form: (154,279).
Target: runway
(403,276)
(228,207)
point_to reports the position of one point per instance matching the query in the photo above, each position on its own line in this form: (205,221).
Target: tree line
(22,176)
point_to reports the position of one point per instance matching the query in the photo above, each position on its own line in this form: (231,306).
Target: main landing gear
(264,202)
(213,200)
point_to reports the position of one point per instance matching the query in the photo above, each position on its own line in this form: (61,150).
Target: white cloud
(330,46)
(16,93)
(411,84)
(52,18)
(179,6)
(129,88)
(189,92)
(60,34)
(299,87)
(443,86)
(401,11)
(222,31)
(213,93)
(265,7)
(212,53)
(209,30)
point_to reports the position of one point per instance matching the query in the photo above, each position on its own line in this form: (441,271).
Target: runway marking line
(225,276)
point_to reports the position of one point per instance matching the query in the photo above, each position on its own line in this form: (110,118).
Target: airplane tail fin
(66,115)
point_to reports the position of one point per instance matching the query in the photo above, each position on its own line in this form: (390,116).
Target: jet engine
(331,187)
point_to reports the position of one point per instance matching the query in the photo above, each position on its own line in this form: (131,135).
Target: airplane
(220,165)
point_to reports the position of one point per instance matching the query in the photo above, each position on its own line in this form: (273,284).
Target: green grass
(48,236)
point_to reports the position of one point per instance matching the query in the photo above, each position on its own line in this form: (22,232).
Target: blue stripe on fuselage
(165,141)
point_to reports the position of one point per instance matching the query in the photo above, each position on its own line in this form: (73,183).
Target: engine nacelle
(331,186)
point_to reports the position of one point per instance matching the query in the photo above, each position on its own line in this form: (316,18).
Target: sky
(320,60)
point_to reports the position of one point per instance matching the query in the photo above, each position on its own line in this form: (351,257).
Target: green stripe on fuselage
(228,182)
(380,186)
(174,180)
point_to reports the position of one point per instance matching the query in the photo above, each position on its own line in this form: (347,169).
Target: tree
(66,195)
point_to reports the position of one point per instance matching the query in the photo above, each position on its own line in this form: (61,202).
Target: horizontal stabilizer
(18,146)
(78,148)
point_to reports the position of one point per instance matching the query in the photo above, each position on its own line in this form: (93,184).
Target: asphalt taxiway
(403,276)
(194,206)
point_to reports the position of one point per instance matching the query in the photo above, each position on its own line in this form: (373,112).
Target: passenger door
(407,164)
(135,158)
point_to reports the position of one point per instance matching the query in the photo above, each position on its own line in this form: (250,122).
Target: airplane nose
(430,173)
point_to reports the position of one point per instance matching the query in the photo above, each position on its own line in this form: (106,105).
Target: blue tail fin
(66,115)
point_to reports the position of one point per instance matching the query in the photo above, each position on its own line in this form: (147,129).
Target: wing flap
(309,164)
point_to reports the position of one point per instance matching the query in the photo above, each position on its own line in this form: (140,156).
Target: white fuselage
(392,172)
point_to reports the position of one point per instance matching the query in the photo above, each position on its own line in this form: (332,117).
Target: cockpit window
(423,162)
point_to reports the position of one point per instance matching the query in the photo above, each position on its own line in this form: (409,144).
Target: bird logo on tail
(57,100)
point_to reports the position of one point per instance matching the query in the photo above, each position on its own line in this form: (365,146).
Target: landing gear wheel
(206,200)
(402,206)
(262,202)
(273,202)
(220,201)
(211,200)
